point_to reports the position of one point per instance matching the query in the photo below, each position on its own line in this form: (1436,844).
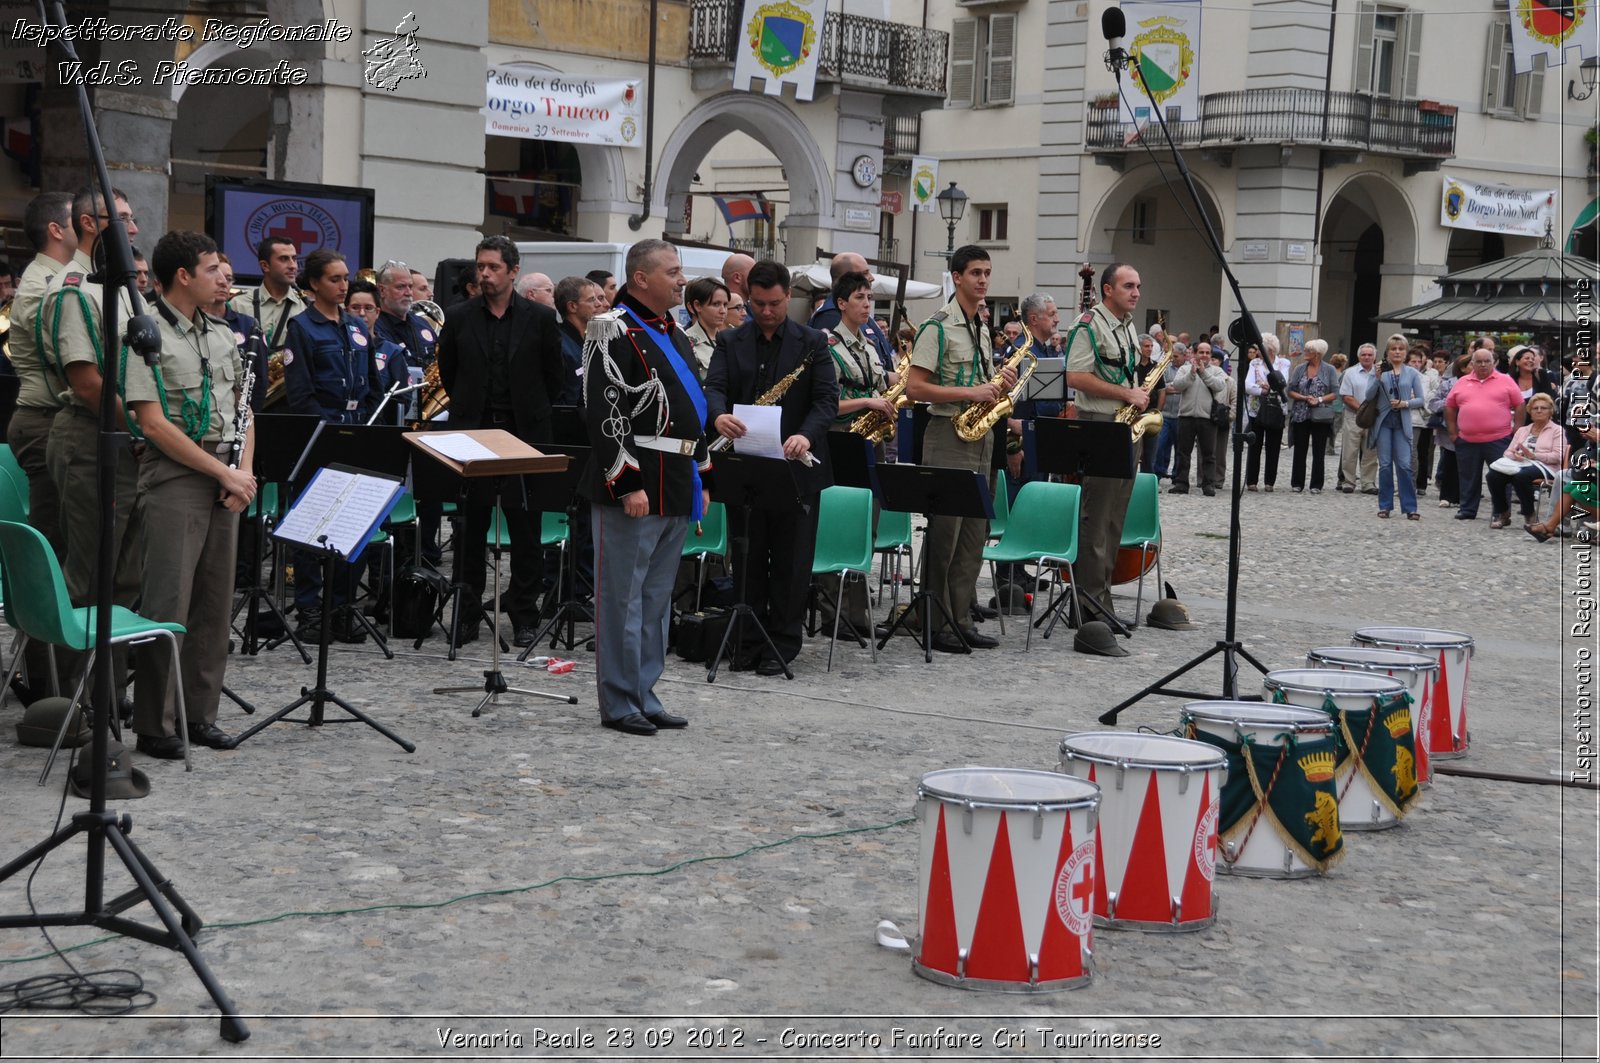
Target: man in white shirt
(1357,461)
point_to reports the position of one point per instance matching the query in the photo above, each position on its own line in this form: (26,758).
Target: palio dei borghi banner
(1496,208)
(545,105)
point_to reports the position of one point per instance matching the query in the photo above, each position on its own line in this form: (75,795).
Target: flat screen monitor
(241,211)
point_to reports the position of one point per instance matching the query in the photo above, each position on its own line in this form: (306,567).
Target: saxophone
(979,419)
(1150,420)
(771,396)
(879,427)
(432,399)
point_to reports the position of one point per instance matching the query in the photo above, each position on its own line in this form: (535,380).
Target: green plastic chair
(893,540)
(14,473)
(12,508)
(844,545)
(1142,529)
(1043,530)
(1002,506)
(37,595)
(711,542)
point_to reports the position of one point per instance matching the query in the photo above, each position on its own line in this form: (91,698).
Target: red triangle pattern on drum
(1461,722)
(1145,895)
(1102,904)
(1196,899)
(998,950)
(1439,737)
(1060,952)
(939,950)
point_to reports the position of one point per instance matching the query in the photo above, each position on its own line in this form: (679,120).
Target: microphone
(1113,26)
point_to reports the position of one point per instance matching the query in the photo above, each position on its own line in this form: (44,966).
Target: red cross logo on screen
(294,227)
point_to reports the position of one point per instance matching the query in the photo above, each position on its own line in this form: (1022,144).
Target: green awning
(1585,218)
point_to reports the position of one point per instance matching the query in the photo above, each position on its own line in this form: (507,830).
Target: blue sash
(691,386)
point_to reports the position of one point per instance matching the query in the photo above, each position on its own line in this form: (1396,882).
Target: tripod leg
(1110,715)
(370,722)
(233,1027)
(728,632)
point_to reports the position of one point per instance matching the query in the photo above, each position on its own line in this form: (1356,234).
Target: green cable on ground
(399,906)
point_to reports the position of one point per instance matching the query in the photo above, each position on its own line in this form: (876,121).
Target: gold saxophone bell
(276,388)
(880,427)
(979,419)
(432,399)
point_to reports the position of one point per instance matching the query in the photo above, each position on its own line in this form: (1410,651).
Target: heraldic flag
(1549,28)
(743,208)
(778,42)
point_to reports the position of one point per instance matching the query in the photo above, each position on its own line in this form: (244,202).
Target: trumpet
(879,427)
(979,419)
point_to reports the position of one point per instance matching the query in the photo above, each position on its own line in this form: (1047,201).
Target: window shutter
(1530,89)
(963,62)
(1412,31)
(1491,66)
(1002,59)
(1366,27)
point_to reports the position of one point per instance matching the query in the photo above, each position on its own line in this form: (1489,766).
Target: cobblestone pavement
(632,891)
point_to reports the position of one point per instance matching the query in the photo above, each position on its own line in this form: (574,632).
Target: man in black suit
(748,361)
(500,363)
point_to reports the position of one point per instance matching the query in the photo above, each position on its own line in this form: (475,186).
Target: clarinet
(241,418)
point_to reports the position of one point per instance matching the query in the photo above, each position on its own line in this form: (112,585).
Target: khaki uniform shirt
(1100,344)
(958,353)
(195,355)
(38,388)
(861,375)
(79,336)
(272,315)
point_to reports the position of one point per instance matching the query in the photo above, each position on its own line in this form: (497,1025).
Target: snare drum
(1377,761)
(1413,669)
(1156,845)
(1279,814)
(1448,737)
(1006,879)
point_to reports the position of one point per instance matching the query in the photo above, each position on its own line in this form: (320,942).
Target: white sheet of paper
(340,505)
(457,446)
(763,436)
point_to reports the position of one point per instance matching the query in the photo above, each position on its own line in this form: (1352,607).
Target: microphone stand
(1243,333)
(394,392)
(99,825)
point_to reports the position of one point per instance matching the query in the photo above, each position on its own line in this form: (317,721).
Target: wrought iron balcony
(1420,131)
(858,52)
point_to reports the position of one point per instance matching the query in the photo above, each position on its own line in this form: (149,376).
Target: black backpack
(418,590)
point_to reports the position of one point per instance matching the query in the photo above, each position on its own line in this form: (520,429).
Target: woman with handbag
(1539,442)
(1398,391)
(1265,412)
(1314,393)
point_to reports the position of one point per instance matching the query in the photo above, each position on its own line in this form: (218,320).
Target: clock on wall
(864,171)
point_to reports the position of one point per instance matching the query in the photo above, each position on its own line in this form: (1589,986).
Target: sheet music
(457,446)
(343,506)
(763,437)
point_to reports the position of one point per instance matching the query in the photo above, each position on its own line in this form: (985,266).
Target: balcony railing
(863,52)
(1351,120)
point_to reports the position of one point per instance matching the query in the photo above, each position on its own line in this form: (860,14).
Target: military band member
(862,378)
(186,409)
(72,336)
(1102,355)
(275,301)
(648,479)
(951,367)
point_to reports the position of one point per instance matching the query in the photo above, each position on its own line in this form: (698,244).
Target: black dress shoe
(984,612)
(167,747)
(769,666)
(945,642)
(632,724)
(980,642)
(522,637)
(665,721)
(1209,492)
(210,736)
(1177,490)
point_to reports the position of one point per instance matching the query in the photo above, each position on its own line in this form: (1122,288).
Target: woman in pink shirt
(1540,440)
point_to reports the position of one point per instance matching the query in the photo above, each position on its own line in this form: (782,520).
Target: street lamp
(1586,70)
(952,204)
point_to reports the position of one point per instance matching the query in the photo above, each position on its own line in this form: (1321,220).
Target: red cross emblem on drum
(1075,890)
(1205,841)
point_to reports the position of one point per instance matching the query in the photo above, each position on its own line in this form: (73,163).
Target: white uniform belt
(668,444)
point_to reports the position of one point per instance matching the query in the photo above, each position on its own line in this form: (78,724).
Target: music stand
(375,448)
(280,440)
(749,483)
(1073,449)
(1049,381)
(555,493)
(433,483)
(340,507)
(853,458)
(490,453)
(935,492)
